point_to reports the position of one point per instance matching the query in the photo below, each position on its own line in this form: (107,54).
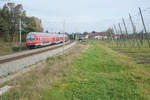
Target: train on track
(39,39)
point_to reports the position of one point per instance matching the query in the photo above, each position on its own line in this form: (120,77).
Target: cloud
(82,15)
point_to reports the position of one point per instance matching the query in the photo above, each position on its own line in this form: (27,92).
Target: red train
(38,39)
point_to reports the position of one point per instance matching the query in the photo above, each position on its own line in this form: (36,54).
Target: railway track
(12,57)
(16,62)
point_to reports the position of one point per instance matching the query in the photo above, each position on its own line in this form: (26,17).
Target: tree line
(10,16)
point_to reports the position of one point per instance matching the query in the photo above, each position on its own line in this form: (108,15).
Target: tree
(85,33)
(10,16)
(94,32)
(33,24)
(12,13)
(3,29)
(109,32)
(46,31)
(3,25)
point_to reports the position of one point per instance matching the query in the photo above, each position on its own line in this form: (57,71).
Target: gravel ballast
(20,64)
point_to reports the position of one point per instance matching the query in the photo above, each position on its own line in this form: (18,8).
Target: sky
(80,15)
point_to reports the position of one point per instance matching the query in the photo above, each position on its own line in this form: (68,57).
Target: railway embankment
(13,63)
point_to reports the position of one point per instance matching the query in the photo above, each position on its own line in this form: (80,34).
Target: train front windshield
(30,38)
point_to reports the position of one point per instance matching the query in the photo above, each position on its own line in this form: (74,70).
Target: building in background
(98,35)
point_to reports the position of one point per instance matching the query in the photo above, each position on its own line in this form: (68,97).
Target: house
(102,36)
(98,35)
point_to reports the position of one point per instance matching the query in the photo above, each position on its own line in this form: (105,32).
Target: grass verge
(99,74)
(10,49)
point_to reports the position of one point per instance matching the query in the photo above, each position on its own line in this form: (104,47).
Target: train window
(31,38)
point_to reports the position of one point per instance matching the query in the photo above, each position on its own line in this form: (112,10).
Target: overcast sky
(81,15)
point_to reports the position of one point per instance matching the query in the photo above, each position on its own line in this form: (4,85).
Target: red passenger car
(37,39)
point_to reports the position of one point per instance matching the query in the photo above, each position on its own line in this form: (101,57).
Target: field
(98,72)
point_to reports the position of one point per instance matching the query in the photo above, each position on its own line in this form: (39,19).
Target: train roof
(47,34)
(44,33)
(38,33)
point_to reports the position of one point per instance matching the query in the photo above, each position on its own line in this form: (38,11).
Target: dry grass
(29,86)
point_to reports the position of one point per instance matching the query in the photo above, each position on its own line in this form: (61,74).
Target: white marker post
(4,89)
(64,36)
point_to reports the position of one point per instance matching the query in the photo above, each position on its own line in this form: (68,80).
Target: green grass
(5,50)
(97,75)
(10,49)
